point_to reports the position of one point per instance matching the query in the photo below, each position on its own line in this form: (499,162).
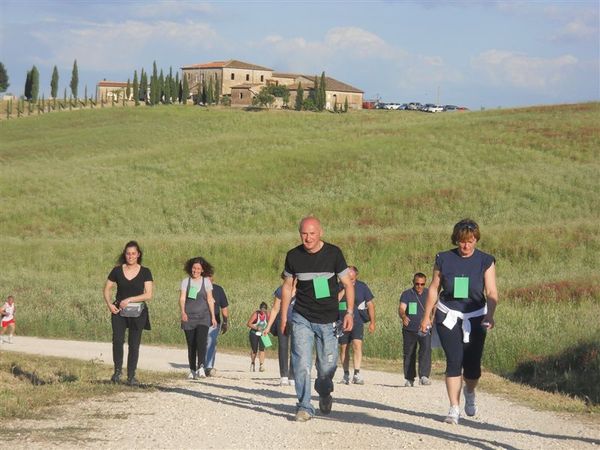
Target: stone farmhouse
(109,90)
(243,81)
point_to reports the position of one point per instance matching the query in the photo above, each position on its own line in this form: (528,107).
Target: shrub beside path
(240,409)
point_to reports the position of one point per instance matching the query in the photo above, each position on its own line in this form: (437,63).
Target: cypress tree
(85,96)
(203,89)
(210,92)
(74,79)
(315,94)
(35,83)
(143,86)
(4,84)
(299,97)
(27,92)
(154,85)
(322,92)
(171,96)
(54,83)
(168,89)
(217,89)
(161,88)
(201,92)
(65,96)
(185,90)
(177,90)
(136,89)
(128,90)
(346,104)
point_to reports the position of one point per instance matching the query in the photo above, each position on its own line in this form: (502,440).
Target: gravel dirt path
(240,409)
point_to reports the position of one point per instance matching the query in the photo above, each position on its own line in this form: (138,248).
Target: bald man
(317,266)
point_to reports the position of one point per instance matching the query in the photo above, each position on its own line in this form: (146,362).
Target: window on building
(262,78)
(247,77)
(241,95)
(233,76)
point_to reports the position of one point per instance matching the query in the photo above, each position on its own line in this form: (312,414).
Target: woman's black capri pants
(462,359)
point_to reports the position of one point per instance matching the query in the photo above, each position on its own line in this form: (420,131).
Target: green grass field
(232,185)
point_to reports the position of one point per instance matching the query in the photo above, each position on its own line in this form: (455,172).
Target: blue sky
(473,53)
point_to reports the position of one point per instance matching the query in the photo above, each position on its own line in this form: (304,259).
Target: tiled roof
(112,84)
(246,85)
(331,83)
(232,64)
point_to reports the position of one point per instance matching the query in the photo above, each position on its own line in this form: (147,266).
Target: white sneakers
(345,379)
(192,375)
(358,379)
(200,372)
(453,415)
(470,405)
(284,381)
(408,383)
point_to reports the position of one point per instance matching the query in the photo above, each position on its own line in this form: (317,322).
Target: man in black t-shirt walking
(317,266)
(411,309)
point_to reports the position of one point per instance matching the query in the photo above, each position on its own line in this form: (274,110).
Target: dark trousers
(463,359)
(285,344)
(196,343)
(410,340)
(134,339)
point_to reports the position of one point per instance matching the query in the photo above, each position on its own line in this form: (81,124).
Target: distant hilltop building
(109,90)
(243,81)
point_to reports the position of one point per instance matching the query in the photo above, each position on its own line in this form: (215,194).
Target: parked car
(392,106)
(414,106)
(450,108)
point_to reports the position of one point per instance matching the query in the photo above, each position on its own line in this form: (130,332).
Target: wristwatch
(350,313)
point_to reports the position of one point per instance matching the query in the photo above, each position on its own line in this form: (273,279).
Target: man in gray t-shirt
(411,309)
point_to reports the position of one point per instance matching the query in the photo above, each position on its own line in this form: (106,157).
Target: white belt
(452,316)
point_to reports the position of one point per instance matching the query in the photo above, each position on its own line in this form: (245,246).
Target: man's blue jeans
(211,346)
(322,335)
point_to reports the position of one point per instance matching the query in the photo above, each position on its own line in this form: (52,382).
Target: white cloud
(170,8)
(578,29)
(98,46)
(519,70)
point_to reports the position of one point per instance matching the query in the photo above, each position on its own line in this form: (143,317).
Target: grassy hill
(232,185)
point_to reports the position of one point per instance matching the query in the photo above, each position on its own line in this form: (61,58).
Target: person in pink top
(7,311)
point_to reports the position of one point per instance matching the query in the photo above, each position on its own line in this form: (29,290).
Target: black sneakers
(116,377)
(325,404)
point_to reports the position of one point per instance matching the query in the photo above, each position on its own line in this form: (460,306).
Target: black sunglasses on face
(419,284)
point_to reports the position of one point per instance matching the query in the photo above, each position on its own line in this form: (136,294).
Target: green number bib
(321,286)
(412,308)
(461,287)
(193,292)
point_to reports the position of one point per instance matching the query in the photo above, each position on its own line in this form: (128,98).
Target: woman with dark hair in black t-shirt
(128,310)
(465,279)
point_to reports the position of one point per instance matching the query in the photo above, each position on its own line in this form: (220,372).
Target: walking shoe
(261,368)
(292,382)
(10,339)
(424,381)
(192,375)
(345,379)
(252,367)
(408,383)
(200,372)
(470,405)
(358,379)
(302,416)
(132,381)
(284,381)
(116,377)
(453,415)
(325,404)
